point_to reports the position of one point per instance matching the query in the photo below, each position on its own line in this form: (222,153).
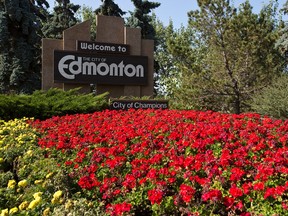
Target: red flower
(129,182)
(228,202)
(155,196)
(214,195)
(239,205)
(88,182)
(235,191)
(245,214)
(236,174)
(186,192)
(118,209)
(258,186)
(279,190)
(163,148)
(152,174)
(284,205)
(270,192)
(68,163)
(246,187)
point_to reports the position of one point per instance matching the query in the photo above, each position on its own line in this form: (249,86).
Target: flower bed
(163,162)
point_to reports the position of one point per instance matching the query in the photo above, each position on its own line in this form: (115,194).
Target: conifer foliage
(19,45)
(141,18)
(109,8)
(63,17)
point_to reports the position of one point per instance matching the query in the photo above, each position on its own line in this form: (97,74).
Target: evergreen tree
(165,67)
(109,8)
(88,14)
(240,56)
(272,101)
(141,18)
(19,45)
(282,42)
(174,54)
(63,17)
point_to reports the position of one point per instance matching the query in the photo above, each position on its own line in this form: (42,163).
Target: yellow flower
(11,184)
(38,181)
(23,205)
(4,212)
(22,183)
(57,194)
(46,212)
(90,204)
(37,195)
(38,198)
(1,160)
(34,203)
(29,152)
(68,204)
(13,210)
(44,185)
(49,175)
(54,201)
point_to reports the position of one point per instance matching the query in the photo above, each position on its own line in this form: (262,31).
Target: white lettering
(88,68)
(121,66)
(75,66)
(132,70)
(139,71)
(83,46)
(62,66)
(119,105)
(113,69)
(69,66)
(100,71)
(99,47)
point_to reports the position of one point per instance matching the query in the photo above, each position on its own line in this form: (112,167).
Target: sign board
(109,48)
(138,104)
(78,67)
(118,60)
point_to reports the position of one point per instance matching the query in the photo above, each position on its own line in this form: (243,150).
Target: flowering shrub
(30,182)
(148,162)
(173,162)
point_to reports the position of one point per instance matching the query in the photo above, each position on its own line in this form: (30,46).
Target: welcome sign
(92,46)
(118,61)
(76,67)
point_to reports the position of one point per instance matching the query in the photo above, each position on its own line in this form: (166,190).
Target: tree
(62,18)
(164,66)
(141,18)
(88,14)
(174,54)
(109,8)
(19,45)
(273,100)
(282,42)
(240,56)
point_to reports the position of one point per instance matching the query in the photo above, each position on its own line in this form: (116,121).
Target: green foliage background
(54,102)
(273,100)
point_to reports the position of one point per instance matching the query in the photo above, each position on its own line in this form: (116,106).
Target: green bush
(273,100)
(54,102)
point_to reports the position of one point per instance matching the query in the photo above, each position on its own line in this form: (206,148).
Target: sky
(170,9)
